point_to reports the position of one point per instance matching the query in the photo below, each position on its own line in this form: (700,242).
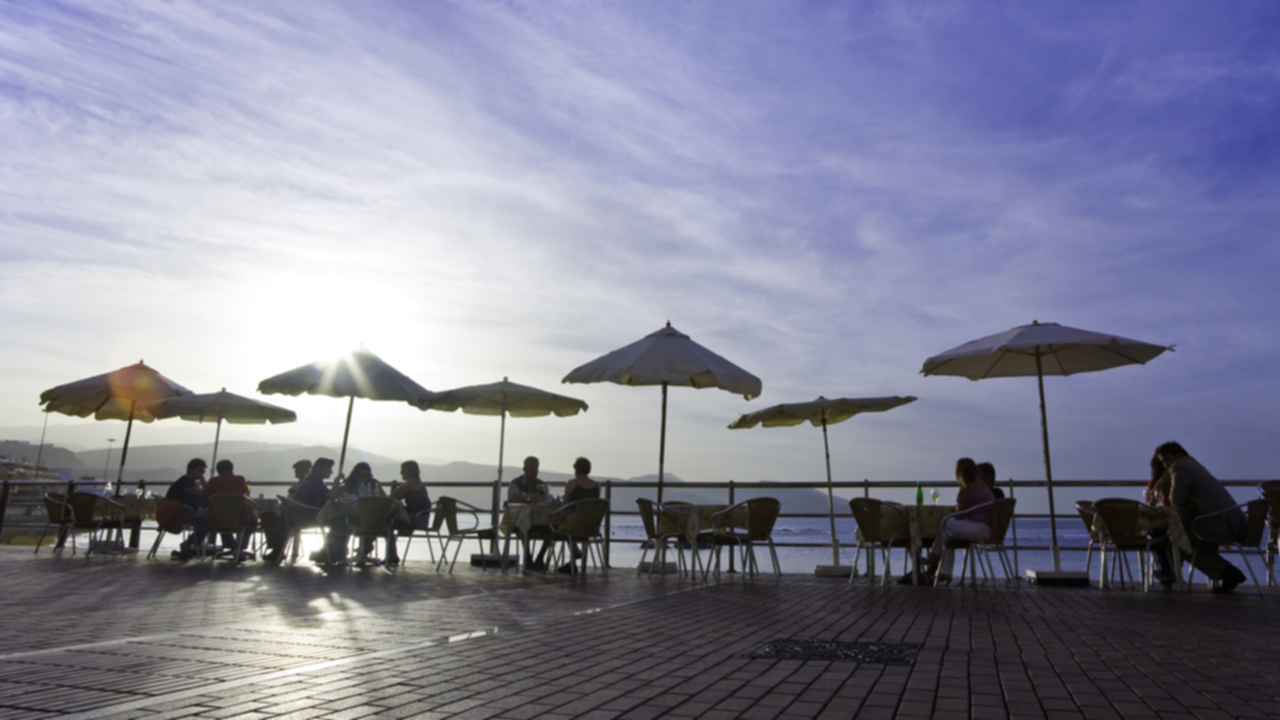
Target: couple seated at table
(193,493)
(528,487)
(970,521)
(1206,509)
(411,492)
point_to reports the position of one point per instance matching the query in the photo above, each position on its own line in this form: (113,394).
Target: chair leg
(154,546)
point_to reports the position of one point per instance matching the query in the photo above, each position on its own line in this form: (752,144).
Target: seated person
(188,490)
(301,470)
(414,495)
(975,526)
(581,487)
(312,491)
(360,483)
(987,474)
(529,488)
(1196,493)
(227,482)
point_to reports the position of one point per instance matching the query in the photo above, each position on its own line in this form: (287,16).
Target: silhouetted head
(196,467)
(225,466)
(410,469)
(987,473)
(966,472)
(582,466)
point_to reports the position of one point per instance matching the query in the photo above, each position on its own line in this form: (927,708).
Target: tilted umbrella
(220,406)
(1041,349)
(503,398)
(357,374)
(667,357)
(822,412)
(113,396)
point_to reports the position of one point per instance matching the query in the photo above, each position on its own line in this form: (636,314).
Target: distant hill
(51,457)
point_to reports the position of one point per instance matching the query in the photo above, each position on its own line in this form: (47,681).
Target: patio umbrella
(822,412)
(113,396)
(1041,349)
(667,357)
(503,398)
(220,406)
(357,374)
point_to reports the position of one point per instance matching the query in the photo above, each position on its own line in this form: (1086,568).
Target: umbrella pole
(343,455)
(40,452)
(662,442)
(216,437)
(831,498)
(497,493)
(1048,468)
(124,451)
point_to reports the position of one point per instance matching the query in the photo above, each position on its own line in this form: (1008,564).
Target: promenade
(126,638)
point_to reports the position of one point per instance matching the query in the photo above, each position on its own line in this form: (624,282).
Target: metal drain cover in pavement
(884,653)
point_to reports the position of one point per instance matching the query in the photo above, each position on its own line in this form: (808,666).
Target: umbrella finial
(668,323)
(504,378)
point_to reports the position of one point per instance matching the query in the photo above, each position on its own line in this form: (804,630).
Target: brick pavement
(124,638)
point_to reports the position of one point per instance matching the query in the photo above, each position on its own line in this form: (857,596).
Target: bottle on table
(919,495)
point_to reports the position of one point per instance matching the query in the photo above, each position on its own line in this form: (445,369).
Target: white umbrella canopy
(667,357)
(1037,350)
(822,412)
(221,406)
(360,373)
(113,396)
(503,398)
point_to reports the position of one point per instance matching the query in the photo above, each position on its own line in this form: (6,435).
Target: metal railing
(866,488)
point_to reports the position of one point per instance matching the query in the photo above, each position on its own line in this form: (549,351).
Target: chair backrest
(762,513)
(646,517)
(1087,514)
(1271,491)
(226,511)
(1258,510)
(583,518)
(57,508)
(446,515)
(83,507)
(169,515)
(1001,519)
(372,515)
(1119,518)
(296,514)
(868,513)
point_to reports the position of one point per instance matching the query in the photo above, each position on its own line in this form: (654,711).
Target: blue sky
(825,194)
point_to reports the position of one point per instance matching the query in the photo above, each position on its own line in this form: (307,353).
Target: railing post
(732,502)
(871,556)
(4,501)
(497,501)
(608,522)
(1013,527)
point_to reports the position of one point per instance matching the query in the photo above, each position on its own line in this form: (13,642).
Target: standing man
(1197,493)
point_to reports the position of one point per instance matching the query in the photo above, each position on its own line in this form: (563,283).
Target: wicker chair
(1122,533)
(168,520)
(742,526)
(1270,490)
(1001,518)
(90,511)
(232,513)
(370,520)
(298,517)
(1255,536)
(971,548)
(873,533)
(650,514)
(58,510)
(1087,515)
(579,522)
(446,530)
